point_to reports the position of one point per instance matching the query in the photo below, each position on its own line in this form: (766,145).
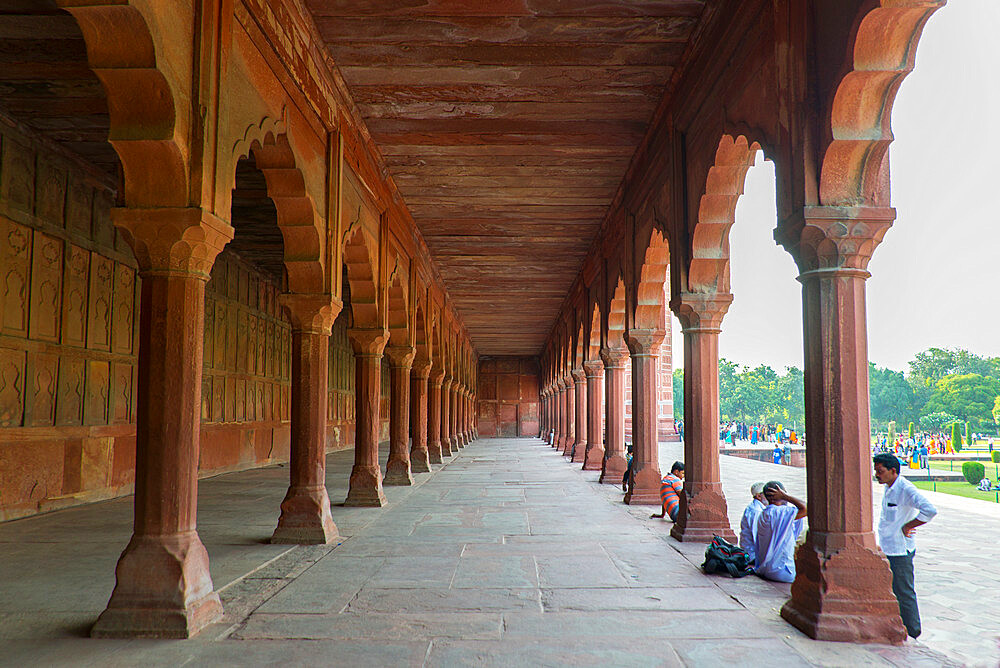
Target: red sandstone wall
(508,396)
(68,304)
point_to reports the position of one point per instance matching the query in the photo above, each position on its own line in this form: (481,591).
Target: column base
(642,497)
(645,489)
(365,488)
(567,450)
(446,449)
(846,596)
(434,454)
(614,470)
(579,453)
(703,515)
(397,473)
(594,458)
(163,590)
(420,461)
(305,518)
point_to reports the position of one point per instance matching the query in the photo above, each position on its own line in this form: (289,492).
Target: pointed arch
(616,317)
(422,341)
(594,341)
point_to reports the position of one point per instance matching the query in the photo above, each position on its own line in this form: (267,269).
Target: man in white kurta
(904,508)
(778,527)
(748,525)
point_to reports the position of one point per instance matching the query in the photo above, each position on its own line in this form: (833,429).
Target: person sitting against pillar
(671,488)
(627,476)
(748,525)
(779,526)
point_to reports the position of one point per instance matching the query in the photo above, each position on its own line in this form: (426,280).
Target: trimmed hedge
(995,456)
(911,430)
(956,437)
(973,472)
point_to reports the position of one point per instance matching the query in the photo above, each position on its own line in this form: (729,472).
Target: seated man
(748,525)
(985,485)
(671,488)
(778,527)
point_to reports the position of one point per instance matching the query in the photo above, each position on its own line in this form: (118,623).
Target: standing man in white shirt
(904,508)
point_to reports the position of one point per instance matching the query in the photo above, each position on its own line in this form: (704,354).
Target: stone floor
(957,583)
(508,555)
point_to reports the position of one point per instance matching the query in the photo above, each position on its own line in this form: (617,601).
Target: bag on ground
(725,558)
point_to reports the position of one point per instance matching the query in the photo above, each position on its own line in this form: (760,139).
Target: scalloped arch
(650,308)
(361,276)
(142,106)
(854,169)
(709,268)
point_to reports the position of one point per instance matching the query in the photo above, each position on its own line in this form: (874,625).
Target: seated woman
(778,527)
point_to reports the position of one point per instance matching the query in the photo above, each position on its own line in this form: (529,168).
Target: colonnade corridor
(507,554)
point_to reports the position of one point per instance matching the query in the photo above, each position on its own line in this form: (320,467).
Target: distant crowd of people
(756,433)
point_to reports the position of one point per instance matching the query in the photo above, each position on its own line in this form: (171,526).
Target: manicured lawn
(956,488)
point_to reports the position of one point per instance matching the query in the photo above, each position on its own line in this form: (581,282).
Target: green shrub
(995,456)
(956,437)
(911,430)
(973,472)
(968,434)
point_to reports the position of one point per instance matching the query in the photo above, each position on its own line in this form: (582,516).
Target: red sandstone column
(594,458)
(420,461)
(615,463)
(559,437)
(163,588)
(397,468)
(570,418)
(366,476)
(456,441)
(703,511)
(305,511)
(456,415)
(446,443)
(434,448)
(842,590)
(579,450)
(644,347)
(544,413)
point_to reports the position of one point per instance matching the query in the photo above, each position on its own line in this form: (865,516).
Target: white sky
(934,277)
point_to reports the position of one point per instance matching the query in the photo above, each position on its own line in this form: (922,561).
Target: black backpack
(725,558)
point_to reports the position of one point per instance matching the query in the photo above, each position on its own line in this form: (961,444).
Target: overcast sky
(935,275)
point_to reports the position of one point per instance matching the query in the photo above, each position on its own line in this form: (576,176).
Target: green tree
(968,434)
(936,421)
(891,396)
(910,430)
(996,410)
(969,396)
(956,436)
(678,387)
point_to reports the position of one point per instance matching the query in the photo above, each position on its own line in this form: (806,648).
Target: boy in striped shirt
(671,488)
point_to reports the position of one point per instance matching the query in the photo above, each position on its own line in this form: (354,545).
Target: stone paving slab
(507,555)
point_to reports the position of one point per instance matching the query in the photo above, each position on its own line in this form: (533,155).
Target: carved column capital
(644,341)
(368,342)
(436,377)
(422,369)
(593,368)
(182,240)
(579,376)
(701,312)
(400,356)
(614,358)
(837,238)
(310,312)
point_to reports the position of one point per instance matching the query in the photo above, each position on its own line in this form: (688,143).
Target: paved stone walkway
(958,585)
(507,556)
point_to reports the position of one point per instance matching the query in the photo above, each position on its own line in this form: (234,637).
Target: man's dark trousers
(906,595)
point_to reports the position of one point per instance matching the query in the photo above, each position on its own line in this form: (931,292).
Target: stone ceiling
(507,126)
